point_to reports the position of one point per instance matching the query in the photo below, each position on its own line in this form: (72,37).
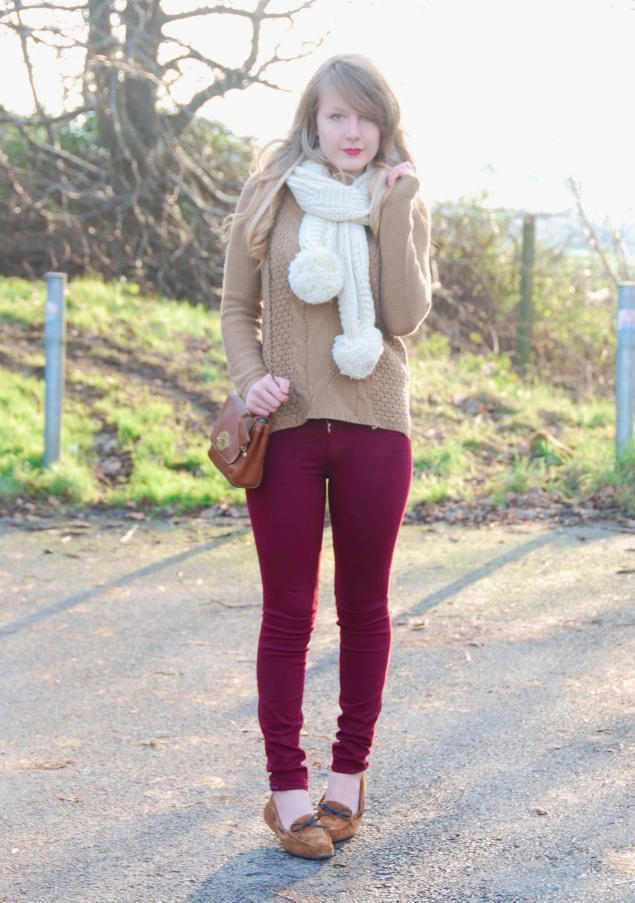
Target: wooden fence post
(525,310)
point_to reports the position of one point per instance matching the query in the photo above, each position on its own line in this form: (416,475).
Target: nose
(353,130)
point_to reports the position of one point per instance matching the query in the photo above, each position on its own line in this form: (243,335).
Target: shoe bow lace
(344,812)
(313,822)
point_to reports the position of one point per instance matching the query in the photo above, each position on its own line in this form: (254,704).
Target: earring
(316,141)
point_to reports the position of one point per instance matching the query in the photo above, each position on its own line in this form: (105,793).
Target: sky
(511,97)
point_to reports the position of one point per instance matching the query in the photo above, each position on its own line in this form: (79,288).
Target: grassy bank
(144,377)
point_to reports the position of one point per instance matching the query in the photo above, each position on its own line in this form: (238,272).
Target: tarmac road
(132,764)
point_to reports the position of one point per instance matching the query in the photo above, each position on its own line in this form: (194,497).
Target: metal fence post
(55,345)
(625,372)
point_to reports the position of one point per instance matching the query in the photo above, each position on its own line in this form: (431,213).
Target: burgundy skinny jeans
(367,474)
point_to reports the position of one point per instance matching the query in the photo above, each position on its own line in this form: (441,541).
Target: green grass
(144,376)
(21,446)
(482,432)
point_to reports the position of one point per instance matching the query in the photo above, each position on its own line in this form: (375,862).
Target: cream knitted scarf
(333,261)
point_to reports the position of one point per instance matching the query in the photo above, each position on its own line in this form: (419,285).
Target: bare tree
(611,248)
(123,179)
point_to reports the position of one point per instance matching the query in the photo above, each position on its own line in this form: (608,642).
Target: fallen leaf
(111,466)
(128,536)
(52,765)
(220,602)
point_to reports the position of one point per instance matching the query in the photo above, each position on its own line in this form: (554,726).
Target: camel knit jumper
(267,329)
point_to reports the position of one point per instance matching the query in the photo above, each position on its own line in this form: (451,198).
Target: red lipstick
(352,151)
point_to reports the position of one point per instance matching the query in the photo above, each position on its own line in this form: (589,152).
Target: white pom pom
(315,276)
(356,356)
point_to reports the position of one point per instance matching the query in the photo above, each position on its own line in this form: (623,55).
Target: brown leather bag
(238,443)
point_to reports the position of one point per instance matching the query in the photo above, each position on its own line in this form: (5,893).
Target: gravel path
(131,760)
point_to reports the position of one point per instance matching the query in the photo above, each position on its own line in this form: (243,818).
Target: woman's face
(348,139)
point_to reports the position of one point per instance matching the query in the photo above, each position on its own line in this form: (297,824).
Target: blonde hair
(362,85)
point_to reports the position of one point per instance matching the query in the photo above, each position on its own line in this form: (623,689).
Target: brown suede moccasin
(306,837)
(339,819)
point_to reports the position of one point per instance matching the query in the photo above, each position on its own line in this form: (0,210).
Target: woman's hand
(401,169)
(267,394)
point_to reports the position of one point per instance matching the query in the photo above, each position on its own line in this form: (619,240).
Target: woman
(327,266)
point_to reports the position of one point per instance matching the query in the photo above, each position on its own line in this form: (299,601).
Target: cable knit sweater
(267,329)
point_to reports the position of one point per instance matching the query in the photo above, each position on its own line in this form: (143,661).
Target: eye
(336,117)
(368,118)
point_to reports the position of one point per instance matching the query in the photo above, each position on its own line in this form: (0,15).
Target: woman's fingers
(276,389)
(267,394)
(259,401)
(257,405)
(283,384)
(401,169)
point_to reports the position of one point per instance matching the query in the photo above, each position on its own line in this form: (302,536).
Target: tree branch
(141,192)
(589,232)
(220,10)
(12,119)
(60,154)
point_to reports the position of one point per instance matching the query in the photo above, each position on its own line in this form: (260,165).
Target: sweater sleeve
(241,307)
(404,247)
